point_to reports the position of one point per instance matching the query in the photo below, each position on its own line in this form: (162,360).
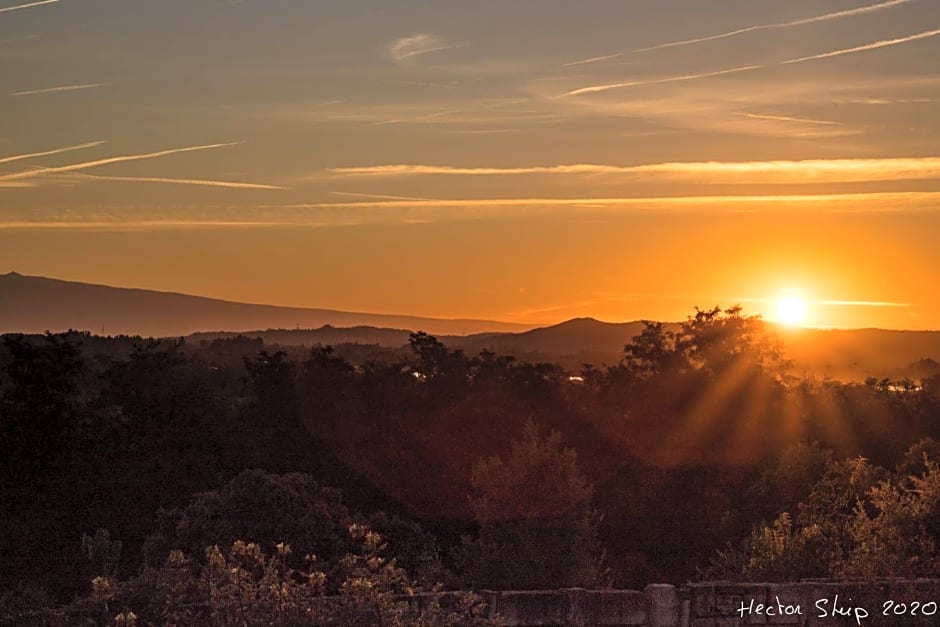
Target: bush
(244,585)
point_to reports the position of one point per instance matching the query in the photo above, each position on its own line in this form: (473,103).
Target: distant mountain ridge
(847,354)
(30,304)
(36,304)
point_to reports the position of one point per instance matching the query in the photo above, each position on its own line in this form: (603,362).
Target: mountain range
(31,304)
(37,304)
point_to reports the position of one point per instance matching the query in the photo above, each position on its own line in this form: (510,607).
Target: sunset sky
(516,160)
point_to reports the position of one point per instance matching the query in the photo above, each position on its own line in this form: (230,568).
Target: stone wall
(891,603)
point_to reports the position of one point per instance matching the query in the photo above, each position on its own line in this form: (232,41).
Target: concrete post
(664,605)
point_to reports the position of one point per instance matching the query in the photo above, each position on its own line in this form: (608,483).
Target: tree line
(699,454)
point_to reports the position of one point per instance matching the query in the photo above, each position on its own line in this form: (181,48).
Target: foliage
(538,529)
(102,553)
(711,341)
(245,585)
(260,508)
(858,521)
(691,441)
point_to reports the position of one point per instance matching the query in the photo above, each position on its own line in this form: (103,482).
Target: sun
(791,310)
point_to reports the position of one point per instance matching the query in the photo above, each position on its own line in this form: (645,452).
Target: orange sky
(526,162)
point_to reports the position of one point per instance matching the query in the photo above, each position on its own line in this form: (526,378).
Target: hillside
(846,354)
(31,304)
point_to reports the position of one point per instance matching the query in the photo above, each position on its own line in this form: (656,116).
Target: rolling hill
(36,304)
(30,304)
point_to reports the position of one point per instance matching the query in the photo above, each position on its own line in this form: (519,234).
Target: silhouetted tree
(538,529)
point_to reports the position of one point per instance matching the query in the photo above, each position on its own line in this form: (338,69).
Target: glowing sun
(791,310)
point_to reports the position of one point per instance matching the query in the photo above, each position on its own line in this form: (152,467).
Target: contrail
(593,59)
(26,6)
(203,182)
(94,164)
(671,79)
(50,152)
(50,90)
(809,170)
(872,46)
(862,303)
(786,118)
(824,55)
(807,20)
(381,196)
(853,198)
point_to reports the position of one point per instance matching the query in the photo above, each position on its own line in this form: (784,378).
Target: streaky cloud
(54,151)
(379,196)
(794,172)
(416,45)
(824,55)
(100,162)
(852,200)
(61,88)
(10,40)
(26,6)
(872,46)
(179,181)
(122,225)
(861,303)
(605,57)
(672,79)
(777,25)
(787,118)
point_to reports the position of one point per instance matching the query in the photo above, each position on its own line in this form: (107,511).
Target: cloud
(824,55)
(791,172)
(776,25)
(605,57)
(842,203)
(379,196)
(861,303)
(26,6)
(176,181)
(10,40)
(671,79)
(872,46)
(50,90)
(135,225)
(45,153)
(785,118)
(100,162)
(416,45)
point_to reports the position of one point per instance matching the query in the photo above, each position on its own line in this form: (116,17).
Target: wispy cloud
(26,6)
(416,45)
(880,201)
(180,181)
(872,46)
(605,57)
(672,79)
(379,196)
(10,40)
(793,172)
(54,151)
(52,90)
(824,55)
(100,162)
(786,118)
(481,131)
(861,303)
(135,225)
(776,25)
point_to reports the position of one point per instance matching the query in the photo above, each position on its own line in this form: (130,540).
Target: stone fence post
(664,605)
